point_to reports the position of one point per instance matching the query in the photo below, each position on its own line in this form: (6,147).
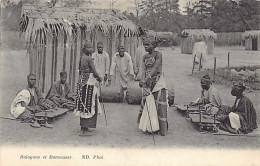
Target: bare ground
(122,130)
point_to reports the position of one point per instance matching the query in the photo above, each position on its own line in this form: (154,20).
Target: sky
(128,5)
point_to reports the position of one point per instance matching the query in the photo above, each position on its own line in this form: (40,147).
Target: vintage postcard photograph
(130,82)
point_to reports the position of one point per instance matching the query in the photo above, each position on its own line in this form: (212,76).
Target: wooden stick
(74,62)
(200,62)
(193,64)
(228,59)
(64,51)
(215,62)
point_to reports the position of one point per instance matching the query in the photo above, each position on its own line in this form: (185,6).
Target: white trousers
(234,120)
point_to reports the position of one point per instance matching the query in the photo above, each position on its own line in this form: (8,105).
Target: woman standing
(156,97)
(87,103)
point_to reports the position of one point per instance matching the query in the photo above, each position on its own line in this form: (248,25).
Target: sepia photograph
(130,82)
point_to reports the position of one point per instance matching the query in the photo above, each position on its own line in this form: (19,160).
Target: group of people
(238,119)
(94,69)
(30,100)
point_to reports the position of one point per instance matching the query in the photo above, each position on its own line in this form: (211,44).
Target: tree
(160,15)
(249,12)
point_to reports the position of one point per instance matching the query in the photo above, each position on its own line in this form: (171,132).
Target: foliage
(228,75)
(229,39)
(216,15)
(160,15)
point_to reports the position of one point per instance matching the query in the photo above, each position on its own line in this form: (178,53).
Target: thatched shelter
(252,39)
(53,37)
(190,36)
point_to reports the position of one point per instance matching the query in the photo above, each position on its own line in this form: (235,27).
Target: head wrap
(120,46)
(63,73)
(239,85)
(206,80)
(30,75)
(100,43)
(86,43)
(150,39)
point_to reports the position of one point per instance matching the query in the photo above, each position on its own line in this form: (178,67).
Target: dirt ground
(122,130)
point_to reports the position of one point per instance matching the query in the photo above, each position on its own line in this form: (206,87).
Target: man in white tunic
(30,101)
(101,61)
(210,97)
(122,67)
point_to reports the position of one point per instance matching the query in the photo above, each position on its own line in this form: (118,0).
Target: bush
(249,74)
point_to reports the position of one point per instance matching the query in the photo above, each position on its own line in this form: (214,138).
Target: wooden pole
(71,60)
(200,62)
(215,62)
(228,59)
(82,37)
(55,57)
(52,59)
(64,51)
(193,64)
(74,62)
(39,57)
(44,62)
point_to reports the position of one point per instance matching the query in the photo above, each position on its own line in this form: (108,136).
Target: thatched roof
(252,34)
(159,34)
(53,20)
(198,33)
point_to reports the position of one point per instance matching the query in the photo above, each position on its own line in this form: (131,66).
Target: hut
(53,36)
(190,36)
(252,39)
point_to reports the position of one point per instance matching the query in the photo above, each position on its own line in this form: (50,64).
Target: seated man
(30,101)
(122,67)
(59,93)
(209,96)
(241,117)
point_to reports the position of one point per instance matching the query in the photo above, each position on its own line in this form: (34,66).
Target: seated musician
(30,101)
(210,97)
(241,117)
(59,93)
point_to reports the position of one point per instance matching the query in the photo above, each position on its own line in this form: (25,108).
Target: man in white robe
(122,67)
(101,61)
(210,97)
(30,101)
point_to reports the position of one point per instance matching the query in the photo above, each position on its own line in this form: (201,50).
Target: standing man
(139,53)
(122,67)
(87,102)
(101,61)
(153,113)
